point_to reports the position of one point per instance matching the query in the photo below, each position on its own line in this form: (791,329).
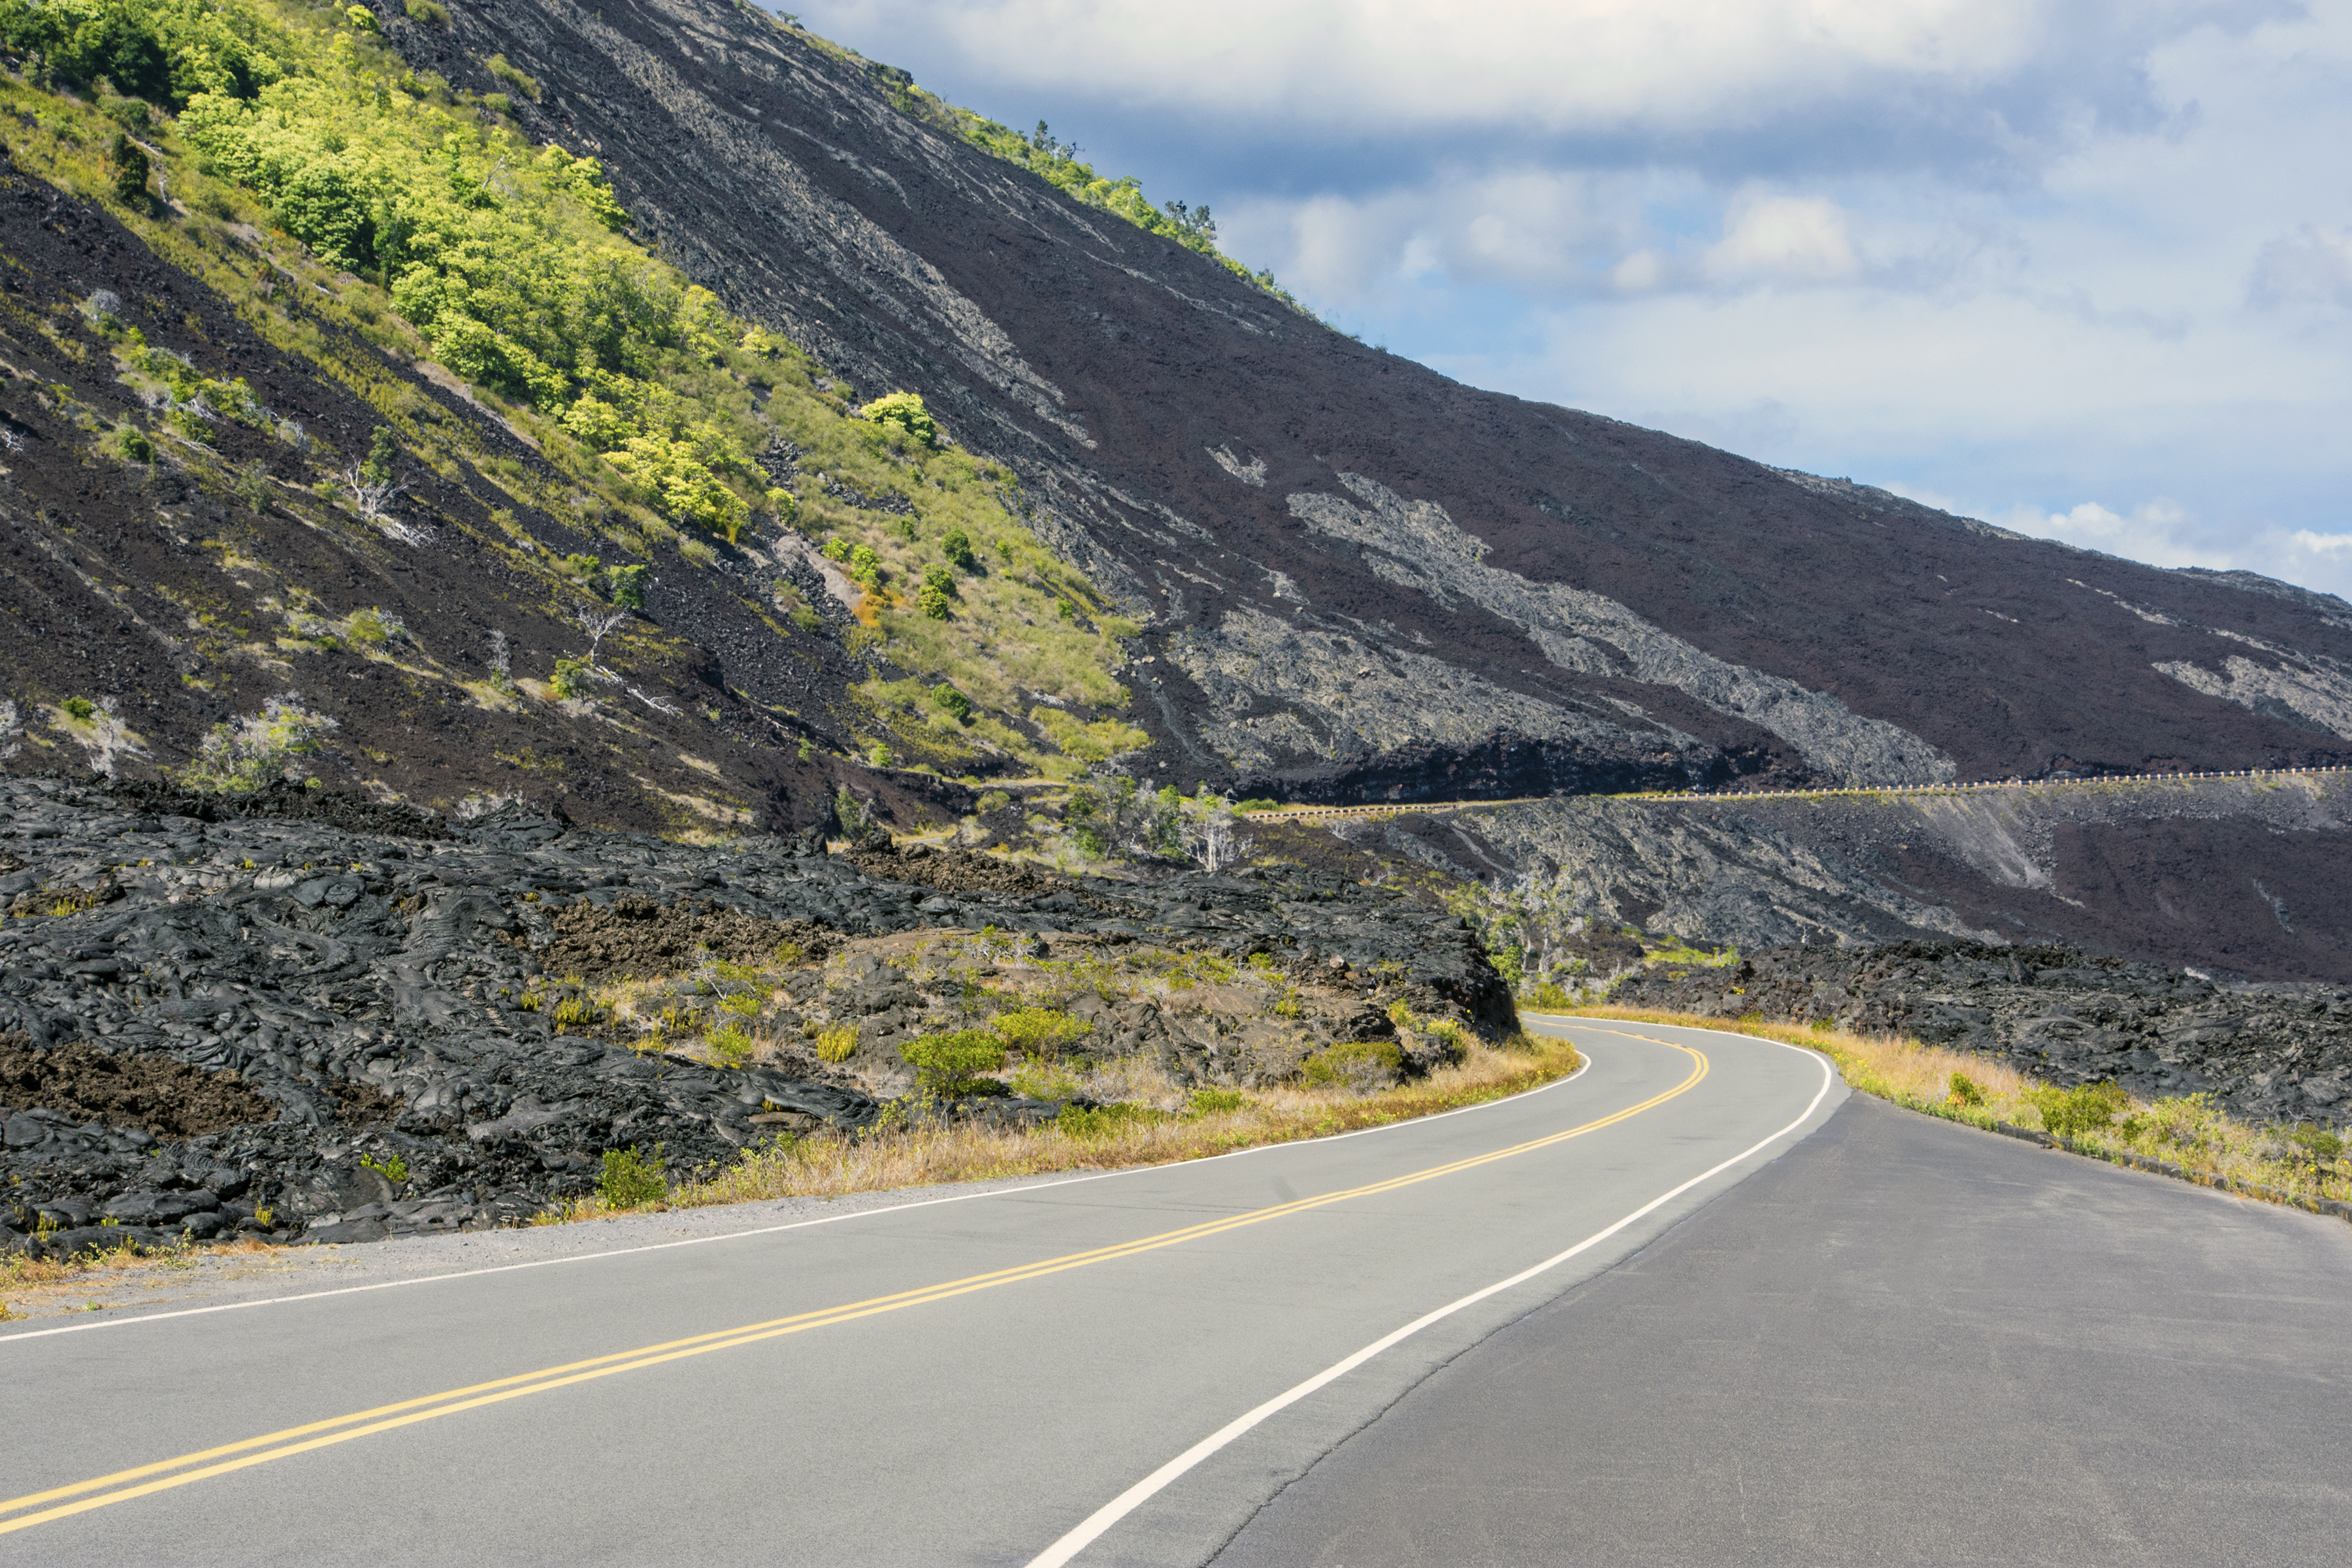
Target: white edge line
(776,1229)
(1110,1513)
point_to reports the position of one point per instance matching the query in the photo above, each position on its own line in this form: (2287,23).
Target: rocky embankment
(316,1017)
(2273,1052)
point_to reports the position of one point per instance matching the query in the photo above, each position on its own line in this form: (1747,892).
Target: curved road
(1123,1367)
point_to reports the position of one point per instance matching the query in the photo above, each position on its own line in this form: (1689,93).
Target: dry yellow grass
(2208,1144)
(89,1278)
(921,1154)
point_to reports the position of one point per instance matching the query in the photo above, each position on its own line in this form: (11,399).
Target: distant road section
(1394,808)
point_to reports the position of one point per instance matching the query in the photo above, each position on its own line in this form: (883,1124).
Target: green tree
(906,410)
(938,591)
(130,169)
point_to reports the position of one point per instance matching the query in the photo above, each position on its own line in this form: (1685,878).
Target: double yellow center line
(122,1485)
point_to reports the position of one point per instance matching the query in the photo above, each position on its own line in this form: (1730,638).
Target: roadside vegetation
(923,1149)
(2290,1163)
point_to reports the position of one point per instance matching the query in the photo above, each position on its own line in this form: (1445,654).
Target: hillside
(462,402)
(1357,577)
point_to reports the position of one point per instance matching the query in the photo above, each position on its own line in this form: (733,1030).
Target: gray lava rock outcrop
(2269,1052)
(379,989)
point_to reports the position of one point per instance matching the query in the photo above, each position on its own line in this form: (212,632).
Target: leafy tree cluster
(505,258)
(163,51)
(904,410)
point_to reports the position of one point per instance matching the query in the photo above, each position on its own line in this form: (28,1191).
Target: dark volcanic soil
(153,1094)
(356,1003)
(633,937)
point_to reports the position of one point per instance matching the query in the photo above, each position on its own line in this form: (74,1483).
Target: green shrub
(948,1065)
(733,1045)
(2070,1112)
(572,677)
(836,1045)
(957,548)
(905,411)
(243,755)
(954,702)
(630,1180)
(1360,1066)
(1209,1101)
(939,591)
(79,708)
(1549,996)
(2320,1142)
(627,586)
(427,11)
(994,800)
(374,628)
(1038,1031)
(1965,1091)
(866,568)
(393,1168)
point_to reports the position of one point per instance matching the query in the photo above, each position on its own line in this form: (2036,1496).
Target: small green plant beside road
(950,1065)
(2071,1113)
(391,1167)
(630,1180)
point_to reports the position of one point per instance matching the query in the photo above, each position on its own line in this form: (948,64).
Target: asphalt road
(1130,1365)
(1905,1341)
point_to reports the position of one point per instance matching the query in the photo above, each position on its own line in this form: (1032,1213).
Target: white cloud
(2157,531)
(1643,271)
(1782,240)
(2322,543)
(1536,230)
(2309,265)
(1670,66)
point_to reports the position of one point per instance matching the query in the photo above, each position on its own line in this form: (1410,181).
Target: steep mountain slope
(1358,577)
(255,517)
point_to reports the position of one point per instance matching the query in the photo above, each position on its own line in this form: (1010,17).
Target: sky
(2083,270)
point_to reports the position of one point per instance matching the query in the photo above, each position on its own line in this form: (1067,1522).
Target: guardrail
(1444,807)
